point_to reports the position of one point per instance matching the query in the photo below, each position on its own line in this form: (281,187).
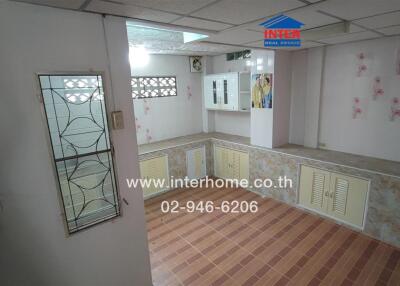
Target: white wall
(306,88)
(237,123)
(315,69)
(221,65)
(34,247)
(281,101)
(298,97)
(230,122)
(372,134)
(207,116)
(331,83)
(170,116)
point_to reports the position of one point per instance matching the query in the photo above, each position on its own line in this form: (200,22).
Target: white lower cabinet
(154,170)
(231,164)
(196,163)
(338,196)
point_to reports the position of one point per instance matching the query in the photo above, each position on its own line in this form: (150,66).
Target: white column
(315,66)
(261,120)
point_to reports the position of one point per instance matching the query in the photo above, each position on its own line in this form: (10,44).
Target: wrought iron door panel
(77,122)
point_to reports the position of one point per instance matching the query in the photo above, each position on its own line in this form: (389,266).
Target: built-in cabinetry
(227,91)
(335,195)
(196,163)
(153,170)
(231,164)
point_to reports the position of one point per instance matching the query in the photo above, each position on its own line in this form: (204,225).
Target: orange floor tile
(278,245)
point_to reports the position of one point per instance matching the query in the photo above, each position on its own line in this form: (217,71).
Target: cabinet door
(234,164)
(159,168)
(196,163)
(226,163)
(243,165)
(347,199)
(239,164)
(222,162)
(225,100)
(231,164)
(155,169)
(233,92)
(218,162)
(229,98)
(210,92)
(145,173)
(219,91)
(314,188)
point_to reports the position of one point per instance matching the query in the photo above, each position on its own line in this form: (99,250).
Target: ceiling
(234,24)
(167,41)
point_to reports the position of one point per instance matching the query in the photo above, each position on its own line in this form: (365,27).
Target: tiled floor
(278,245)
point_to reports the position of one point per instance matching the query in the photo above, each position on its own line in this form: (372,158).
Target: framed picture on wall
(261,90)
(196,64)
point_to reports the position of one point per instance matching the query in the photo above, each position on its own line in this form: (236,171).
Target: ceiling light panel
(390,31)
(242,11)
(351,37)
(307,15)
(390,19)
(69,4)
(326,31)
(130,11)
(201,24)
(174,6)
(311,18)
(310,44)
(355,29)
(237,36)
(256,44)
(354,9)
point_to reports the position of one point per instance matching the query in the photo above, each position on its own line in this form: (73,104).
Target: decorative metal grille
(77,123)
(246,54)
(148,87)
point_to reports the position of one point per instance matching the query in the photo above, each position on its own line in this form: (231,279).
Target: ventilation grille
(148,87)
(246,54)
(340,196)
(317,189)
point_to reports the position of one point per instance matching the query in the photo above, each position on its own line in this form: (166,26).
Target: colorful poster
(261,90)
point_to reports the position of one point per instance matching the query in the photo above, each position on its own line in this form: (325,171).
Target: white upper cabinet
(222,91)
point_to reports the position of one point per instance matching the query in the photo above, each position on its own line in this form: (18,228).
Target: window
(246,54)
(148,87)
(81,147)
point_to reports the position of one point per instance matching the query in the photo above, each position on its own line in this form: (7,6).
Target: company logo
(282,31)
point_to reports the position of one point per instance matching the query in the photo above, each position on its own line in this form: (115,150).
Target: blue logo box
(282,43)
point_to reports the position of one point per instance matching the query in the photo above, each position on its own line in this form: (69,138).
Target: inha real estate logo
(282,31)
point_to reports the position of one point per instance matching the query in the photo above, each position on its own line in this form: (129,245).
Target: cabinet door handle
(326,194)
(331,195)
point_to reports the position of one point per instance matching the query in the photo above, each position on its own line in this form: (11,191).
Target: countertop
(339,158)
